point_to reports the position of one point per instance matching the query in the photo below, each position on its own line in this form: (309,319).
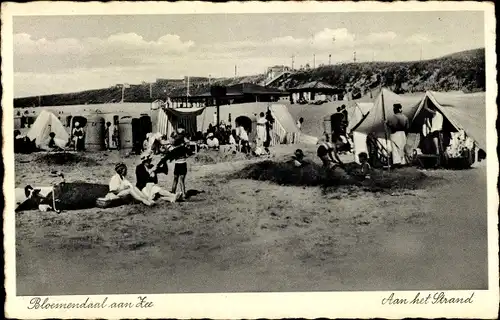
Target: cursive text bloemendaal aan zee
(38,303)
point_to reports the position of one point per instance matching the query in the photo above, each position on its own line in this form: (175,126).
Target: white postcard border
(250,305)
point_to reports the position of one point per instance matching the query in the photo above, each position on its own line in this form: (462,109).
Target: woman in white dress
(120,187)
(261,130)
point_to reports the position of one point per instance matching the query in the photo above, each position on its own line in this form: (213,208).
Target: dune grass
(284,173)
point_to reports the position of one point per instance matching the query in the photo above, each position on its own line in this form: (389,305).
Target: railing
(267,83)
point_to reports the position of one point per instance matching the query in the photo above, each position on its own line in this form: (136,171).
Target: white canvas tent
(465,112)
(357,113)
(373,121)
(461,112)
(45,123)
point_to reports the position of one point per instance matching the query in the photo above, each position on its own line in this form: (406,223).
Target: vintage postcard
(250,160)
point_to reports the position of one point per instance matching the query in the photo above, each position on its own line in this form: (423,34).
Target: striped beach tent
(284,129)
(169,119)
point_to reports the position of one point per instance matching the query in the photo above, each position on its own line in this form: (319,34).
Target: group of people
(398,127)
(23,144)
(265,124)
(238,138)
(327,152)
(146,189)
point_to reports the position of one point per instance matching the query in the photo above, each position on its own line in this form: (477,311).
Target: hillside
(458,71)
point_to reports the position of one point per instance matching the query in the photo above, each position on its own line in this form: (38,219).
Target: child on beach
(365,171)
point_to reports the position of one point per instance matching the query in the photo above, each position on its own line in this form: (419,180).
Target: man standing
(345,120)
(299,123)
(180,152)
(398,127)
(108,136)
(261,130)
(269,127)
(337,123)
(436,126)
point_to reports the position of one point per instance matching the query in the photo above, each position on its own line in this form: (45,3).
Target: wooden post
(389,156)
(217,101)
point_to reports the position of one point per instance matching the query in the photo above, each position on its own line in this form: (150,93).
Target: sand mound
(284,173)
(66,159)
(212,157)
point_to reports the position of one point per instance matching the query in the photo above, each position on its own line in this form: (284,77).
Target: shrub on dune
(284,173)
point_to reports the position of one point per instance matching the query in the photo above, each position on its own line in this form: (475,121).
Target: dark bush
(284,173)
(79,195)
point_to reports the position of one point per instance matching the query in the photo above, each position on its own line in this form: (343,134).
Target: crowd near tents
(461,139)
(366,119)
(462,113)
(44,124)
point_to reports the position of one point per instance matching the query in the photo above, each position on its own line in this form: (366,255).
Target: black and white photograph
(281,151)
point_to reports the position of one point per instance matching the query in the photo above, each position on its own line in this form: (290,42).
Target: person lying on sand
(327,152)
(33,199)
(120,187)
(42,198)
(147,181)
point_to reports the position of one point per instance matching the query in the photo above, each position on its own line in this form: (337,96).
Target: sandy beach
(253,236)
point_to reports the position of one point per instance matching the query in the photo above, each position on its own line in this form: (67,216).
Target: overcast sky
(56,54)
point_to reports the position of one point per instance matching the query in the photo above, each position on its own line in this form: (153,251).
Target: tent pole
(217,101)
(385,130)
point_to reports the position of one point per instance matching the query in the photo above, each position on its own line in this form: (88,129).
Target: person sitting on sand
(243,138)
(298,159)
(152,142)
(232,138)
(327,152)
(18,141)
(53,144)
(79,137)
(147,180)
(366,169)
(212,141)
(120,187)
